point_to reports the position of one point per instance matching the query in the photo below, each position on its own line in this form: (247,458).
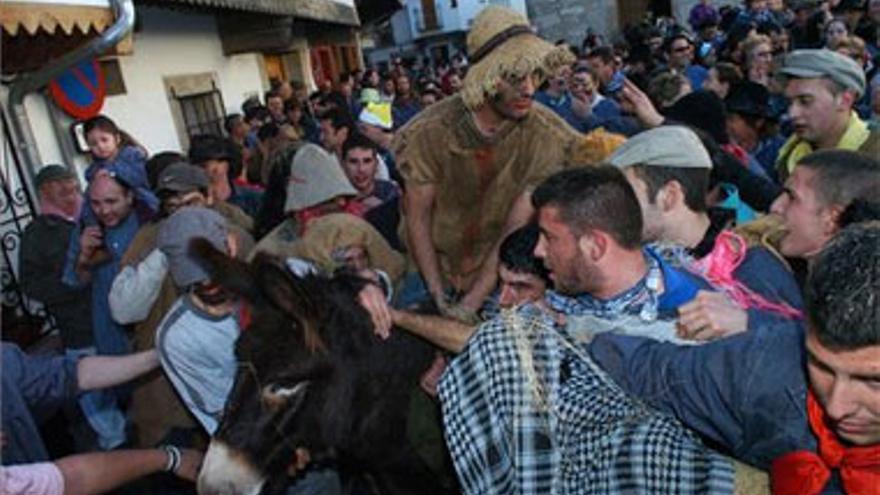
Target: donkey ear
(232,274)
(284,289)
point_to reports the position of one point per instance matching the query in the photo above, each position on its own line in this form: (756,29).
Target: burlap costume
(316,178)
(478,178)
(327,233)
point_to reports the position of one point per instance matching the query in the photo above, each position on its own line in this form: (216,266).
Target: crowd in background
(315,178)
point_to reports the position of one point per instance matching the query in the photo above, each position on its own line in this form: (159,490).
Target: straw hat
(502,44)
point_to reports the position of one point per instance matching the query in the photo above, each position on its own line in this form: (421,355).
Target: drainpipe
(30,82)
(62,133)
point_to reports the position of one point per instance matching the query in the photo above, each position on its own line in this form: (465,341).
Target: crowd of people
(654,265)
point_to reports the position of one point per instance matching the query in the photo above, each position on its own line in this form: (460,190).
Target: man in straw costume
(470,161)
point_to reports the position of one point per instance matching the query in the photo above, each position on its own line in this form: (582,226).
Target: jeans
(101,410)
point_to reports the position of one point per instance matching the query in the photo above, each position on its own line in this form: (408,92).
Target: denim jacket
(745,394)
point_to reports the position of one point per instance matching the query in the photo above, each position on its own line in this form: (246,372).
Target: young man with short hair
(816,431)
(668,168)
(522,279)
(336,126)
(380,198)
(680,57)
(823,87)
(526,410)
(822,185)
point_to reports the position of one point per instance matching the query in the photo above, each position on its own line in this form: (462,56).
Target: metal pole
(61,133)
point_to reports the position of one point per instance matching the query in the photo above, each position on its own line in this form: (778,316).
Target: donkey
(313,375)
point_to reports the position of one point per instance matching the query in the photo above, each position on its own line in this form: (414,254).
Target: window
(112,76)
(196,105)
(202,113)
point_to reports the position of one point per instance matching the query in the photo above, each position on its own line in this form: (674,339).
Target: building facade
(184,66)
(432,28)
(573,20)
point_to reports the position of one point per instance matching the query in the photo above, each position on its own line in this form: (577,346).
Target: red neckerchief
(304,217)
(245,316)
(806,473)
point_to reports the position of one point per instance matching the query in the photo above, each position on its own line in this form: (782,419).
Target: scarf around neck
(641,299)
(806,473)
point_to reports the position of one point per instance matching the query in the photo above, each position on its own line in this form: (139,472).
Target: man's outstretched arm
(100,472)
(447,334)
(94,372)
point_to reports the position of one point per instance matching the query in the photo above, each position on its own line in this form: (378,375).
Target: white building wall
(169,43)
(38,114)
(173,43)
(401,28)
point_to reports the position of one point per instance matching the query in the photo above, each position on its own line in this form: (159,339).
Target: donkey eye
(277,393)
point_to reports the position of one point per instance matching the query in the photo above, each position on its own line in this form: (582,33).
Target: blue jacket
(696,74)
(110,337)
(768,276)
(746,394)
(34,387)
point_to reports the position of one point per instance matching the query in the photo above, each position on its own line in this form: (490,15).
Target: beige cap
(815,63)
(666,146)
(315,177)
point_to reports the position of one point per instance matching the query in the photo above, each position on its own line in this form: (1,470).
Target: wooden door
(274,67)
(429,15)
(323,67)
(631,11)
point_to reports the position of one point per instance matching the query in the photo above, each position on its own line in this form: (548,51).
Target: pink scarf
(718,268)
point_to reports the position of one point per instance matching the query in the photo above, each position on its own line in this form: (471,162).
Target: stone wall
(570,19)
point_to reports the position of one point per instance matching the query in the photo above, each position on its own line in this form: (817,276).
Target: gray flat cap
(175,234)
(814,63)
(182,177)
(665,146)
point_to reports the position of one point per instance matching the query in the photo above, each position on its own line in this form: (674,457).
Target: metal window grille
(24,320)
(202,112)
